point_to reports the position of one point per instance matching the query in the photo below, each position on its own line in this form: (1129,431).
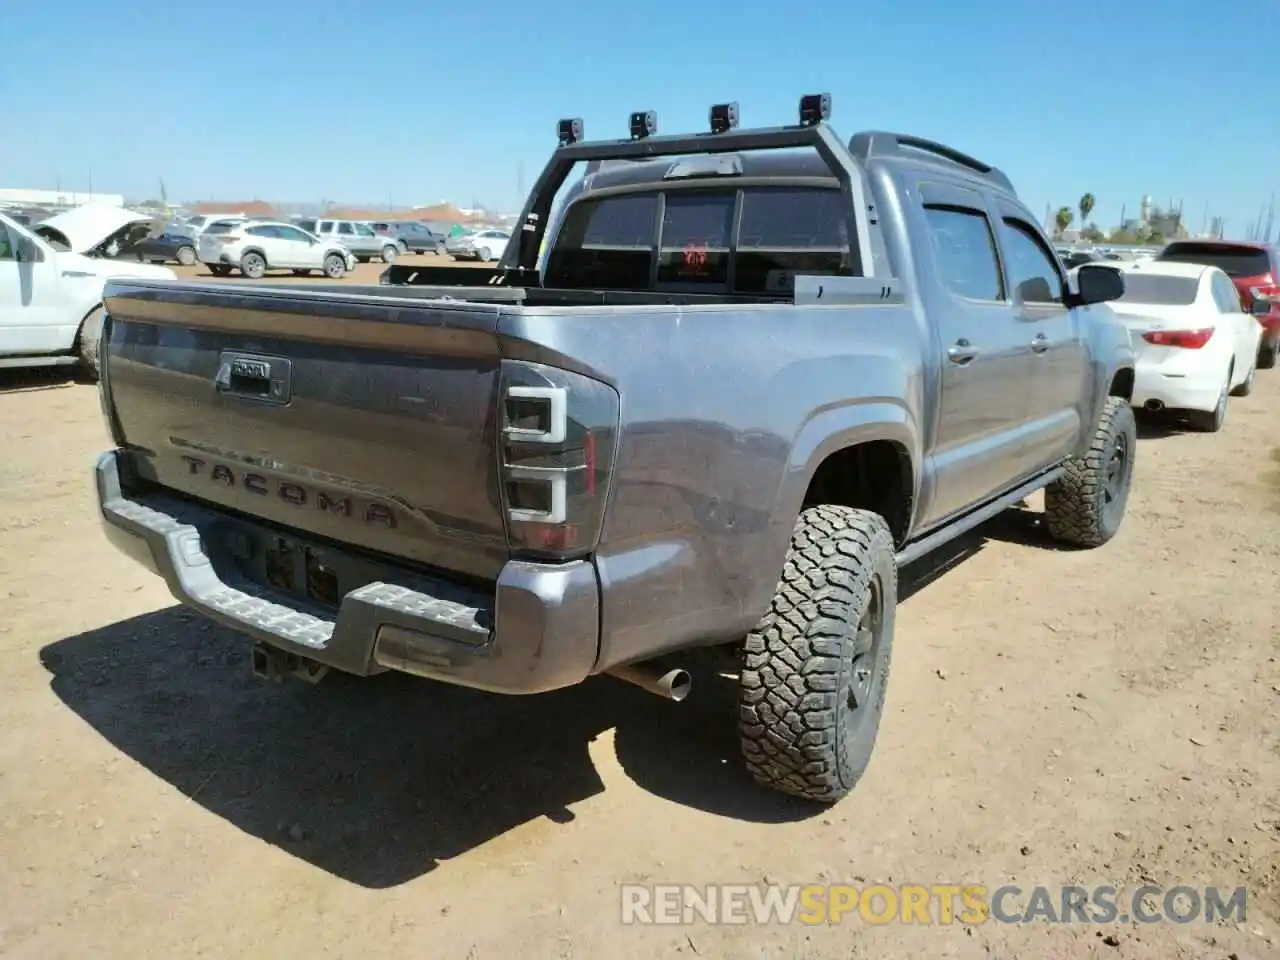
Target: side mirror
(1261,306)
(1097,284)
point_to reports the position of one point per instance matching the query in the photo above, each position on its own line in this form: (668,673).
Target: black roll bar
(523,253)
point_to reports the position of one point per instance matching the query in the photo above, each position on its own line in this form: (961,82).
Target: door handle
(961,352)
(1040,344)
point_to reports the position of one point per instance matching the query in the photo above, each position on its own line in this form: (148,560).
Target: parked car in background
(175,243)
(1254,268)
(1075,258)
(255,246)
(356,235)
(1195,344)
(414,236)
(201,221)
(51,282)
(483,245)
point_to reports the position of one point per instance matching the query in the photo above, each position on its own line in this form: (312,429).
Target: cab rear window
(749,241)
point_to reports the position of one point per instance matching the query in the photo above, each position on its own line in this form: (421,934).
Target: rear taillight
(1188,339)
(558,433)
(1266,291)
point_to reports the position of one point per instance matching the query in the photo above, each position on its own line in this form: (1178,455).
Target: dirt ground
(1055,717)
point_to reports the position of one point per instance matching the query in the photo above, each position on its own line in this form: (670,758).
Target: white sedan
(484,245)
(1195,344)
(255,246)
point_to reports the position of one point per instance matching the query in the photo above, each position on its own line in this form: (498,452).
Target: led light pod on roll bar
(814,109)
(644,123)
(569,131)
(724,117)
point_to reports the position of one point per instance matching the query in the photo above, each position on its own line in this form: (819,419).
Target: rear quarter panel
(726,411)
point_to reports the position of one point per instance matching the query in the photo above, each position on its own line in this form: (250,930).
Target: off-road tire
(1081,508)
(87,343)
(253,265)
(800,734)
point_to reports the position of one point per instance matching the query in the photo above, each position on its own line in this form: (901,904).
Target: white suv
(256,246)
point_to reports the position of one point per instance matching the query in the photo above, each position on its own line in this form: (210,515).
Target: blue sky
(358,101)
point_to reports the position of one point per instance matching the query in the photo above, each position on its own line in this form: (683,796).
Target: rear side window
(345,229)
(264,231)
(786,231)
(965,252)
(1232,260)
(605,244)
(222,226)
(308,225)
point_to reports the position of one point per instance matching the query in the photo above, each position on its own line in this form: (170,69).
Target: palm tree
(1086,207)
(1063,219)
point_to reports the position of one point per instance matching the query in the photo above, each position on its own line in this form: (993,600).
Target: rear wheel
(816,667)
(1268,354)
(484,255)
(87,343)
(253,265)
(334,266)
(389,254)
(1211,421)
(186,256)
(1085,506)
(1246,388)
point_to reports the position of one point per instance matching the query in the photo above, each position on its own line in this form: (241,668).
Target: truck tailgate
(363,420)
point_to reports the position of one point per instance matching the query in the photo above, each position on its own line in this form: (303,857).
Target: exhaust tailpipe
(1155,406)
(671,683)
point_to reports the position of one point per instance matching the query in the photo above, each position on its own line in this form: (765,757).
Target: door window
(965,252)
(292,234)
(8,246)
(363,230)
(344,229)
(1033,273)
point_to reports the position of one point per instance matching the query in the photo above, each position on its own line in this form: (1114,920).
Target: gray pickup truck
(756,372)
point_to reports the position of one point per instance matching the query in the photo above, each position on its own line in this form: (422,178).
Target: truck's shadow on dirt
(31,379)
(380,781)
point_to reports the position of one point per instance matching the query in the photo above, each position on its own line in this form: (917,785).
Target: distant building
(250,208)
(57,198)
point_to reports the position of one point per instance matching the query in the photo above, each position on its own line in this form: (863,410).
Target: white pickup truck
(51,280)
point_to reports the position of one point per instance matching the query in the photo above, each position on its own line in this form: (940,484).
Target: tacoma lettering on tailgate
(290,492)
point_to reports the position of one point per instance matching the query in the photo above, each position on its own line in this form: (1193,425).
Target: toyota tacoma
(757,371)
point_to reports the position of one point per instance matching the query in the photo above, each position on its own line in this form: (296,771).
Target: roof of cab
(779,164)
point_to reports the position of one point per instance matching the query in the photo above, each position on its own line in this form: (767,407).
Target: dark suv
(1255,270)
(415,235)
